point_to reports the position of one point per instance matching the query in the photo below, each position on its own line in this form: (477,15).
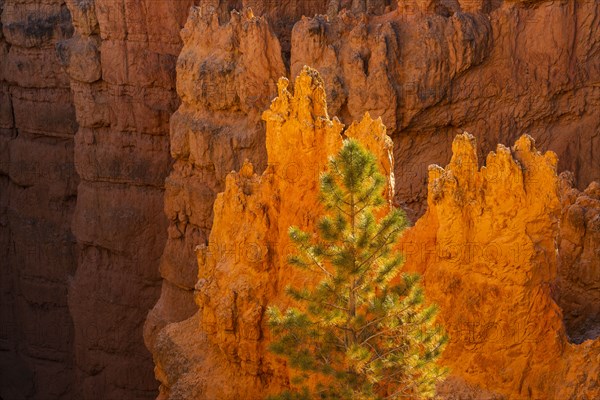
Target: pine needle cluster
(364,331)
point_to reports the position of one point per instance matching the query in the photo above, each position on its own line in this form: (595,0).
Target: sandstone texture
(488,251)
(120,61)
(426,68)
(486,247)
(243,267)
(494,68)
(38,185)
(227,75)
(578,287)
(118,129)
(214,130)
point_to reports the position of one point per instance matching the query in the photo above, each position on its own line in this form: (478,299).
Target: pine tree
(364,331)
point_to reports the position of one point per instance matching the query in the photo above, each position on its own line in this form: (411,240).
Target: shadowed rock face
(38,185)
(579,276)
(121,63)
(87,90)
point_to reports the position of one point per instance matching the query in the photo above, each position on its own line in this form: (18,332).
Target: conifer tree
(364,331)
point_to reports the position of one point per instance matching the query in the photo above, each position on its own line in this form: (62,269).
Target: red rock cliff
(38,187)
(220,352)
(120,61)
(84,150)
(426,68)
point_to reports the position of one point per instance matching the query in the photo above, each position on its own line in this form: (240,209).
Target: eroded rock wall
(486,247)
(119,58)
(494,68)
(226,76)
(121,63)
(243,267)
(224,71)
(38,185)
(426,67)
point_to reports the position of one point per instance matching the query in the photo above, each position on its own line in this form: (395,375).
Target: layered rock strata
(38,185)
(494,68)
(121,63)
(426,68)
(224,76)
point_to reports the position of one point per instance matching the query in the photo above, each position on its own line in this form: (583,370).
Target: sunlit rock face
(243,266)
(427,68)
(487,249)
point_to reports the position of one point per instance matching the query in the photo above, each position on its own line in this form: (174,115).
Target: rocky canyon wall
(427,68)
(494,68)
(110,164)
(38,186)
(121,62)
(87,92)
(578,287)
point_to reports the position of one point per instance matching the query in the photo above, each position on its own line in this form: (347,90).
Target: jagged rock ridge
(487,249)
(377,64)
(243,267)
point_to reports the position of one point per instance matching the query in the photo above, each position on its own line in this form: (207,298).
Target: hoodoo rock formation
(377,64)
(487,249)
(112,116)
(243,266)
(487,67)
(216,128)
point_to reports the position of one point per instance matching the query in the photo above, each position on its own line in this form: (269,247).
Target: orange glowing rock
(487,249)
